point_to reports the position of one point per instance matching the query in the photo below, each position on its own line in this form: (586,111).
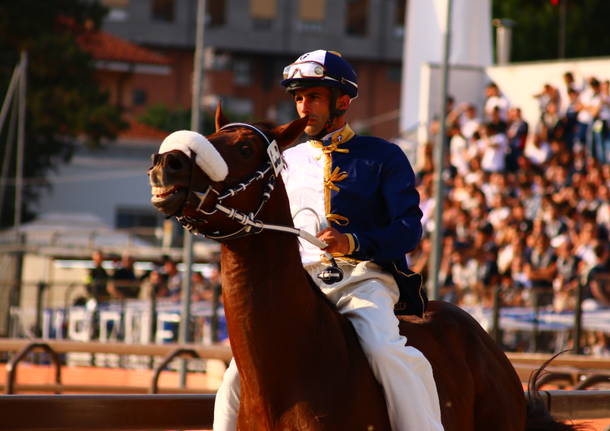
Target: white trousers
(366,296)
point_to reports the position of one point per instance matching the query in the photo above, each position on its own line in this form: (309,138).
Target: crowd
(163,282)
(527,207)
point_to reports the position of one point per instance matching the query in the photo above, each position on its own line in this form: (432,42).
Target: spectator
(174,280)
(538,151)
(97,279)
(494,99)
(570,112)
(458,150)
(124,283)
(541,268)
(153,286)
(602,217)
(568,264)
(499,211)
(552,125)
(469,121)
(201,289)
(549,206)
(516,133)
(464,276)
(598,278)
(601,120)
(494,147)
(569,85)
(591,102)
(549,94)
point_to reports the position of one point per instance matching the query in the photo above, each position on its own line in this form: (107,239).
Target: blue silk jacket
(371,187)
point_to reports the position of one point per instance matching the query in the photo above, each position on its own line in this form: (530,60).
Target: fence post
(535,331)
(215,305)
(11,367)
(40,288)
(497,304)
(178,353)
(578,319)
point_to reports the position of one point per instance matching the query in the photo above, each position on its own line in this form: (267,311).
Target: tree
(536,35)
(64,103)
(169,120)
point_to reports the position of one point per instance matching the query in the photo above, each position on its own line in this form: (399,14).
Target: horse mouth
(168,200)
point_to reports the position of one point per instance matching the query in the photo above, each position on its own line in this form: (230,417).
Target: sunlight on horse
(300,364)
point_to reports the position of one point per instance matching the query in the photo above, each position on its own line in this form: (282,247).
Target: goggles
(311,69)
(308,69)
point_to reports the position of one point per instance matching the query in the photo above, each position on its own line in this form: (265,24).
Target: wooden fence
(195,411)
(163,412)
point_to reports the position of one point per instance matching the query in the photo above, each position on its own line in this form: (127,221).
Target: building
(248,42)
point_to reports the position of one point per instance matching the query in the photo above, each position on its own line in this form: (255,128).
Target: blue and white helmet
(320,67)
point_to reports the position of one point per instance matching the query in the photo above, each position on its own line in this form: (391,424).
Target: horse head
(214,184)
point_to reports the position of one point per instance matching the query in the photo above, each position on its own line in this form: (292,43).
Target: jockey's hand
(337,241)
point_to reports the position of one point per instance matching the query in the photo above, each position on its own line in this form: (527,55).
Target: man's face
(315,102)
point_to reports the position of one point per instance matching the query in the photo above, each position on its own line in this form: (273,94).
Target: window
(163,10)
(394,73)
(263,9)
(237,106)
(117,10)
(263,12)
(139,96)
(312,13)
(399,17)
(115,3)
(215,13)
(242,71)
(356,17)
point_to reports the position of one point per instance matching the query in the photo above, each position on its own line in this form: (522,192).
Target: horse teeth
(161,192)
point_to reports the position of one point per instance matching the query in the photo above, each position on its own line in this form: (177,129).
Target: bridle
(250,224)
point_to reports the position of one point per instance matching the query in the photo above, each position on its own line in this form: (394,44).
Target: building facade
(248,42)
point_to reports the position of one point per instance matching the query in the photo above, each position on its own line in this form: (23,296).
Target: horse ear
(219,118)
(287,133)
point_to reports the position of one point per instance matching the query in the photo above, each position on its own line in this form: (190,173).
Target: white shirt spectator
(590,101)
(494,150)
(458,154)
(469,126)
(500,102)
(537,153)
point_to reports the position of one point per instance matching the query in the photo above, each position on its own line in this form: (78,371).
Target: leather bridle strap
(250,225)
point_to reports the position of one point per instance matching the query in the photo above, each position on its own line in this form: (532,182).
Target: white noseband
(206,156)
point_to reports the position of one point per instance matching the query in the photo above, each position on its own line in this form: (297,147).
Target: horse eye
(246,150)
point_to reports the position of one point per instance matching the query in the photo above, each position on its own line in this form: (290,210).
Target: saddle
(413,297)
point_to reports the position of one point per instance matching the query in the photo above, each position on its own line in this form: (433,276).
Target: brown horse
(300,364)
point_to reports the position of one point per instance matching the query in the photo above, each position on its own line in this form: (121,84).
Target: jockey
(358,194)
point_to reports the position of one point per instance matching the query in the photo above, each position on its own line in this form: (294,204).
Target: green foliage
(536,34)
(164,118)
(64,102)
(169,120)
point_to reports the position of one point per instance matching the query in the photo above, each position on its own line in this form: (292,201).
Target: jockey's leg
(226,405)
(403,371)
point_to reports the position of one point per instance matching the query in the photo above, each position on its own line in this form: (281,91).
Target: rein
(250,224)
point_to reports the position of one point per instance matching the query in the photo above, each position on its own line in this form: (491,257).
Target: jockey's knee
(232,374)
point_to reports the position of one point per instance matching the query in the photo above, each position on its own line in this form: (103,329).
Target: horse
(300,364)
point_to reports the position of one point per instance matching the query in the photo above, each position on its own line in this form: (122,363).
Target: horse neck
(266,292)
